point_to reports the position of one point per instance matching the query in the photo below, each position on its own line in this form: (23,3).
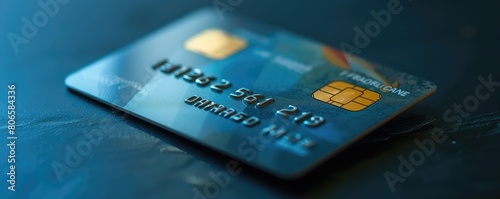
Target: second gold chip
(347,96)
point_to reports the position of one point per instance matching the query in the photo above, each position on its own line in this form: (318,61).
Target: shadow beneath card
(362,163)
(217,161)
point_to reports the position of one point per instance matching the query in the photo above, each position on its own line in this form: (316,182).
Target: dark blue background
(448,42)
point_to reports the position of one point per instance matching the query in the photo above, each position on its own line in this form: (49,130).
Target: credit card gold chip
(347,96)
(215,44)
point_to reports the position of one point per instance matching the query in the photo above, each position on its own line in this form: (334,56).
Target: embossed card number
(247,96)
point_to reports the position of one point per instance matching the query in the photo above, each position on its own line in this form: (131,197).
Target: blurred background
(451,43)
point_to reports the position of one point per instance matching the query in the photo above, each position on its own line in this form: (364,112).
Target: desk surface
(452,43)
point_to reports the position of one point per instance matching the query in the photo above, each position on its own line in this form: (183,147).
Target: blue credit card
(262,95)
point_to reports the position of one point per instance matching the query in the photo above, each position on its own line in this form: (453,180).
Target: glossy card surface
(261,95)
